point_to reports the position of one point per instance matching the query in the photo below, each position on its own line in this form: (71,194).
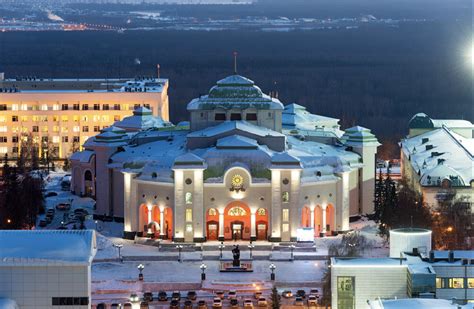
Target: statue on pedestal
(236,255)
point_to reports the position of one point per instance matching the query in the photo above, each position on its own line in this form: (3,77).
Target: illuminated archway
(237,221)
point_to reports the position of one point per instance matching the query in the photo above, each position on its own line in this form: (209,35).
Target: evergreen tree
(275,298)
(378,196)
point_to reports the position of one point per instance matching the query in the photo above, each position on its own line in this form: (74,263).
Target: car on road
(144,305)
(43,223)
(234,303)
(174,304)
(50,211)
(217,302)
(63,206)
(162,296)
(115,306)
(148,296)
(257,294)
(81,211)
(176,295)
(232,294)
(312,300)
(50,194)
(188,304)
(220,294)
(301,293)
(262,302)
(287,294)
(248,303)
(192,295)
(299,301)
(202,304)
(127,306)
(314,292)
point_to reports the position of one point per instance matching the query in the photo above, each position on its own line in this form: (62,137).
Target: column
(253,225)
(276,206)
(198,207)
(150,208)
(312,217)
(221,224)
(179,205)
(323,230)
(162,222)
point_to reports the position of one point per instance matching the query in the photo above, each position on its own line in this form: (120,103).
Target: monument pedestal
(228,266)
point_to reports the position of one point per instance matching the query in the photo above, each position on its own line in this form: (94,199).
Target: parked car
(262,302)
(63,206)
(115,306)
(127,306)
(174,304)
(50,211)
(162,296)
(48,219)
(42,223)
(148,296)
(301,293)
(232,294)
(220,294)
(192,295)
(234,303)
(50,194)
(217,302)
(299,301)
(202,304)
(176,295)
(188,304)
(314,292)
(248,303)
(257,294)
(312,300)
(144,305)
(287,294)
(81,211)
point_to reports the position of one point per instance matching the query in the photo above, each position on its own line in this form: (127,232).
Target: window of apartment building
(44,139)
(55,129)
(235,116)
(96,107)
(75,107)
(44,107)
(3,128)
(117,107)
(24,118)
(116,118)
(105,107)
(106,118)
(285,197)
(15,129)
(43,118)
(45,129)
(147,106)
(55,118)
(3,119)
(64,129)
(135,106)
(35,118)
(84,118)
(64,118)
(55,107)
(189,228)
(35,129)
(70,301)
(189,215)
(270,115)
(35,107)
(456,283)
(85,107)
(85,129)
(15,149)
(345,292)
(64,107)
(251,117)
(440,283)
(96,128)
(15,139)
(3,149)
(75,139)
(219,116)
(24,107)
(3,107)
(285,227)
(64,139)
(14,107)
(286,215)
(55,139)
(15,118)
(75,118)
(470,283)
(3,139)
(76,129)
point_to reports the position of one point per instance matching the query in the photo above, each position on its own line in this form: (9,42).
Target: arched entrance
(212,219)
(329,219)
(261,219)
(237,221)
(318,223)
(150,222)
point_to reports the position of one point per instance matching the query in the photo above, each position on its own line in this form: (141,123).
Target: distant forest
(376,76)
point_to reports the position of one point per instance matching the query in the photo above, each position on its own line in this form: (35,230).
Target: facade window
(3,128)
(64,107)
(286,215)
(470,283)
(85,129)
(14,107)
(440,283)
(3,107)
(70,301)
(261,212)
(15,118)
(251,117)
(75,139)
(212,212)
(64,118)
(3,149)
(105,107)
(75,107)
(15,139)
(135,106)
(85,118)
(3,119)
(189,228)
(237,212)
(75,118)
(44,139)
(117,107)
(3,139)
(55,129)
(85,107)
(188,181)
(345,292)
(96,128)
(270,115)
(15,149)
(285,197)
(189,198)
(24,107)
(35,129)
(189,215)
(55,107)
(219,117)
(285,227)
(44,107)
(147,106)
(456,283)
(65,139)
(235,116)
(96,107)
(76,128)
(56,139)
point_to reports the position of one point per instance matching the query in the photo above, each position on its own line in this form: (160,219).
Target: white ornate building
(246,167)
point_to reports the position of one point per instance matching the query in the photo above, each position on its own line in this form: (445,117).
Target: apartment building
(61,114)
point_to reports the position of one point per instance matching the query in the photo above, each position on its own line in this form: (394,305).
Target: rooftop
(415,303)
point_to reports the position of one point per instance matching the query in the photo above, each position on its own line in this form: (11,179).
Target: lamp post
(179,247)
(134,299)
(251,246)
(221,247)
(119,247)
(96,224)
(272,268)
(140,267)
(203,269)
(292,248)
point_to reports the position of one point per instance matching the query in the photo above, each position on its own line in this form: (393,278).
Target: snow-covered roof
(82,156)
(423,121)
(295,116)
(285,160)
(142,119)
(189,160)
(441,154)
(241,125)
(237,92)
(236,142)
(358,136)
(415,303)
(47,247)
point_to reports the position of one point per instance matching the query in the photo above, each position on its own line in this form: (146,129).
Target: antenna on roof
(158,70)
(235,62)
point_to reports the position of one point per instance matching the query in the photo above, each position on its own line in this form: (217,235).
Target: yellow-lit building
(62,114)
